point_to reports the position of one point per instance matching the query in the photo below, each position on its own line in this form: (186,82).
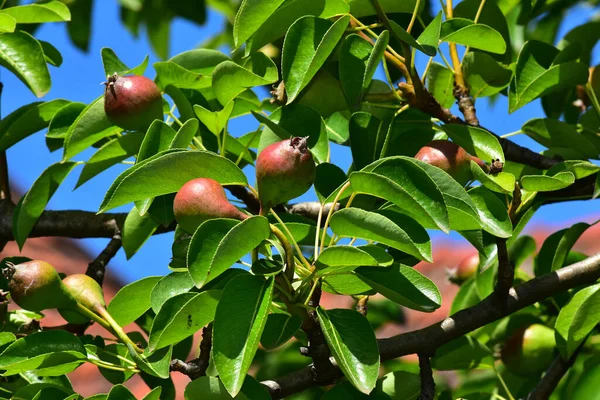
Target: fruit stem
(298,250)
(335,201)
(319,218)
(113,367)
(289,253)
(93,316)
(510,396)
(116,328)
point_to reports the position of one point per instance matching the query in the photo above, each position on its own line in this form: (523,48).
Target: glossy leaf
(210,387)
(400,385)
(440,83)
(132,300)
(158,138)
(343,259)
(28,63)
(556,248)
(230,79)
(577,319)
(404,285)
(89,127)
(27,120)
(63,119)
(553,133)
(279,329)
(302,57)
(484,75)
(219,243)
(7,23)
(33,203)
(52,11)
(409,40)
(537,75)
(215,121)
(166,172)
(430,37)
(346,284)
(155,364)
(392,229)
(112,64)
(136,230)
(50,353)
(239,323)
(465,352)
(111,153)
(353,345)
(361,8)
(547,183)
(502,182)
(492,212)
(181,316)
(467,33)
(367,135)
(475,141)
(250,16)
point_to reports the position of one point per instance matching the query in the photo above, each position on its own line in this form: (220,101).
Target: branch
(198,366)
(488,310)
(246,196)
(552,377)
(426,374)
(97,268)
(506,270)
(310,209)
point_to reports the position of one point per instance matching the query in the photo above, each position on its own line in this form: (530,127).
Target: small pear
(35,286)
(86,292)
(284,171)
(529,350)
(451,158)
(202,199)
(464,270)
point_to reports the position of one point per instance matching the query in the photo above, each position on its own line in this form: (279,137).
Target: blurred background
(79,79)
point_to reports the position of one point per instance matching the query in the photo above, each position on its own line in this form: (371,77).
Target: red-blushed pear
(450,157)
(529,350)
(284,171)
(35,286)
(202,199)
(86,292)
(132,102)
(464,270)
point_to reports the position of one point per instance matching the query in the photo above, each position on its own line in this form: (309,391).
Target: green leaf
(113,64)
(361,8)
(404,285)
(537,75)
(553,133)
(169,286)
(547,183)
(219,243)
(33,203)
(556,248)
(465,352)
(154,394)
(389,228)
(230,79)
(27,120)
(409,40)
(353,345)
(120,392)
(166,173)
(250,16)
(400,385)
(89,127)
(430,37)
(215,121)
(210,387)
(307,45)
(492,212)
(577,319)
(343,259)
(63,119)
(440,83)
(132,300)
(478,36)
(171,73)
(329,177)
(476,141)
(51,54)
(156,364)
(80,27)
(484,75)
(239,323)
(466,297)
(502,182)
(358,62)
(52,11)
(346,284)
(579,168)
(28,63)
(158,138)
(367,136)
(111,153)
(50,353)
(136,230)
(7,23)
(279,329)
(182,316)
(185,134)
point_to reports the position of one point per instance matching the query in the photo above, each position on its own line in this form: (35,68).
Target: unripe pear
(202,199)
(284,171)
(132,102)
(450,157)
(464,270)
(35,286)
(529,350)
(86,292)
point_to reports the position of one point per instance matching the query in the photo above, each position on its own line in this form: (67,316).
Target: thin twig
(97,268)
(426,374)
(361,305)
(506,270)
(198,366)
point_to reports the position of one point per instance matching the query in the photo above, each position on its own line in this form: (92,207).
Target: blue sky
(78,79)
